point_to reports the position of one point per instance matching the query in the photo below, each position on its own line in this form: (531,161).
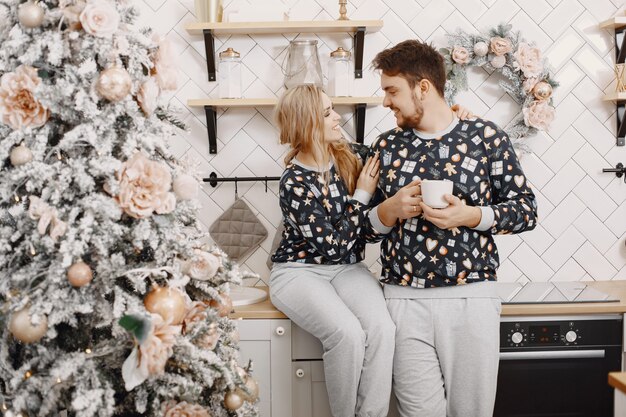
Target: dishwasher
(557,366)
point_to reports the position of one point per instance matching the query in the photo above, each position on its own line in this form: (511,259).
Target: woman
(318,279)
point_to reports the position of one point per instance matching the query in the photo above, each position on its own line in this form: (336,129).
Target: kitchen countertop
(618,380)
(265,309)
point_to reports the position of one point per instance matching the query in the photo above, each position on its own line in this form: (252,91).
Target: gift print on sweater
(323,225)
(478,158)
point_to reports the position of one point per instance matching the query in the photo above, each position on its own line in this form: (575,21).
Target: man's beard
(413,121)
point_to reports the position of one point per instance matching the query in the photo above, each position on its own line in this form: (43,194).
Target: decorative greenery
(526,76)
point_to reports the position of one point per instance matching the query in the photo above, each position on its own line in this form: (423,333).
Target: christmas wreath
(526,77)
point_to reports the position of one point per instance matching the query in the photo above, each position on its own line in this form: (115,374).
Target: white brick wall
(582,226)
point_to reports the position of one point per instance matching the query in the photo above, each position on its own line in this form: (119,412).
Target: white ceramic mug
(434,190)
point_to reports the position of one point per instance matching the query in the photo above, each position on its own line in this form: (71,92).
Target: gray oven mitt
(238,231)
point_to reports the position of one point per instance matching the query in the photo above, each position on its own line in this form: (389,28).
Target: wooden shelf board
(614,22)
(264,102)
(615,96)
(287,26)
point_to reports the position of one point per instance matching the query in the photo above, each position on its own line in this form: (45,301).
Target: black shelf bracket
(359,119)
(620,58)
(209,49)
(359,40)
(211,126)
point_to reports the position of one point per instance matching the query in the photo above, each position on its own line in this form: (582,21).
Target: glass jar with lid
(229,74)
(340,73)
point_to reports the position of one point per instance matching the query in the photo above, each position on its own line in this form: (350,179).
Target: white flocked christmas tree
(111,303)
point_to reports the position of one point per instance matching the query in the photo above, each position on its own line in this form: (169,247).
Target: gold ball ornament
(24,330)
(20,155)
(253,387)
(242,373)
(169,303)
(30,15)
(223,307)
(233,400)
(113,84)
(542,90)
(79,274)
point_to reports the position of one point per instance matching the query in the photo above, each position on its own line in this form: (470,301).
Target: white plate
(242,296)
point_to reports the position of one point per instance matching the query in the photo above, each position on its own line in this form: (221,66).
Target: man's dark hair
(415,61)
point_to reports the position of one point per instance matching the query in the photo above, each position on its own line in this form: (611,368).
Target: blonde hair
(300,118)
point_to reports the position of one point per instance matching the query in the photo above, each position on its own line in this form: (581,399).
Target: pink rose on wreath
(539,115)
(500,46)
(529,84)
(528,60)
(18,106)
(460,55)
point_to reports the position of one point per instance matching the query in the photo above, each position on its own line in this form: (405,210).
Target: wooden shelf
(614,23)
(615,97)
(358,27)
(618,24)
(360,105)
(265,102)
(287,26)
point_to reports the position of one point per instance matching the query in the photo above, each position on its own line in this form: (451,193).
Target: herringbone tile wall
(582,229)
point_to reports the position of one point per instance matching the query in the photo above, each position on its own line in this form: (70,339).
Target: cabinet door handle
(280,330)
(299,373)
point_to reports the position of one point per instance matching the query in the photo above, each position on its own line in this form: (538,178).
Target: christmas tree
(111,304)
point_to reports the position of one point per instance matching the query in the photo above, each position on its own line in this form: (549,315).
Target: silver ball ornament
(30,15)
(481,49)
(114,84)
(22,328)
(79,274)
(20,155)
(233,400)
(542,90)
(498,61)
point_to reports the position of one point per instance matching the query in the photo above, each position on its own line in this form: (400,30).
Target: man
(439,264)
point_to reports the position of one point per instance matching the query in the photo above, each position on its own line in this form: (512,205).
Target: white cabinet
(310,398)
(268,344)
(288,368)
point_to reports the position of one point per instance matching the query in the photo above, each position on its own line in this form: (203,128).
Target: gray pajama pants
(447,350)
(343,306)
